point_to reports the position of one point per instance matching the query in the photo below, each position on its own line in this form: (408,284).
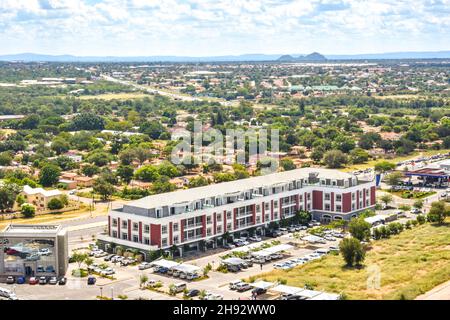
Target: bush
(55,204)
(352,251)
(420,219)
(28,210)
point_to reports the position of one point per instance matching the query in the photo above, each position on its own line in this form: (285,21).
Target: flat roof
(224,188)
(31,229)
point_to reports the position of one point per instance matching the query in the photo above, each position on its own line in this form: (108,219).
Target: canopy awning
(326,296)
(186,268)
(281,288)
(312,238)
(308,294)
(165,263)
(233,261)
(271,250)
(262,284)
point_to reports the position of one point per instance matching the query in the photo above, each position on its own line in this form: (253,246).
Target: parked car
(108,257)
(291,229)
(191,276)
(193,293)
(42,280)
(45,252)
(144,265)
(107,272)
(255,239)
(258,260)
(53,280)
(233,268)
(283,230)
(91,280)
(232,285)
(33,280)
(20,280)
(100,254)
(10,280)
(290,296)
(178,287)
(258,291)
(229,246)
(62,281)
(241,287)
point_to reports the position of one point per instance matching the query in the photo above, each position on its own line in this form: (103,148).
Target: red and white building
(199,216)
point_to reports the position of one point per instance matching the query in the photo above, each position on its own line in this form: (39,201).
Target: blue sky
(222,27)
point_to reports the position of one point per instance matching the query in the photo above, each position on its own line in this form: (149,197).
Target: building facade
(201,216)
(33,250)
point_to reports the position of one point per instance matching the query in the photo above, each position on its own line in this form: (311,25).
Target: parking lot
(125,280)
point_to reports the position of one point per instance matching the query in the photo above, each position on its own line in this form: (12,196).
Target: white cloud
(220,26)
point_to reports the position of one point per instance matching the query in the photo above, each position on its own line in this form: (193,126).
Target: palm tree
(119,250)
(88,262)
(142,280)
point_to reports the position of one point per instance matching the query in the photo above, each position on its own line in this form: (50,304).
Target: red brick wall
(346,202)
(372,196)
(214,223)
(332,201)
(204,225)
(140,231)
(129,229)
(182,222)
(170,233)
(155,235)
(317,197)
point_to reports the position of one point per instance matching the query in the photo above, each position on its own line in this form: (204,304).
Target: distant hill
(33,57)
(315,56)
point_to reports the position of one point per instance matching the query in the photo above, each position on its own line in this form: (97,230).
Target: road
(172,95)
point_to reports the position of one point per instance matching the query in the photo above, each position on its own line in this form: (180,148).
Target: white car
(144,265)
(255,239)
(45,252)
(100,254)
(232,285)
(213,296)
(107,272)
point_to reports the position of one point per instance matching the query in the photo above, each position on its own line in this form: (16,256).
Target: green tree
(359,155)
(28,210)
(148,173)
(87,121)
(394,178)
(5,158)
(104,188)
(198,182)
(55,204)
(8,195)
(359,229)
(303,217)
(386,199)
(90,170)
(334,159)
(125,172)
(60,145)
(79,258)
(384,166)
(287,164)
(49,175)
(352,251)
(418,204)
(143,278)
(438,212)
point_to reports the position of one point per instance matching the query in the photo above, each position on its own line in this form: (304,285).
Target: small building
(40,197)
(67,184)
(33,250)
(84,181)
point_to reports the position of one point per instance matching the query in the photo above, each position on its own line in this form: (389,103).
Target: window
(208,220)
(135,238)
(114,222)
(309,196)
(135,226)
(163,229)
(219,229)
(338,198)
(266,217)
(124,224)
(114,234)
(146,240)
(164,242)
(176,239)
(327,207)
(175,227)
(327,197)
(258,219)
(219,217)
(353,196)
(228,214)
(275,204)
(338,208)
(258,208)
(266,206)
(146,228)
(229,227)
(208,232)
(125,236)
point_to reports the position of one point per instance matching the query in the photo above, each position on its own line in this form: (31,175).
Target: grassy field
(116,96)
(370,164)
(411,263)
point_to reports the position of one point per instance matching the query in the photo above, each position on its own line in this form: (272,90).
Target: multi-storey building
(201,216)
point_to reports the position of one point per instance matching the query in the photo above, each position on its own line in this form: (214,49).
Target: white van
(179,287)
(5,293)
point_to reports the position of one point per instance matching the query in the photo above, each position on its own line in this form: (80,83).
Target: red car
(33,280)
(11,252)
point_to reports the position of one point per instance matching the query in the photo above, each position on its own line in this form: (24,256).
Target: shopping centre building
(33,250)
(201,216)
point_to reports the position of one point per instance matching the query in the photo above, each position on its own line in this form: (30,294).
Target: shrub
(420,219)
(352,251)
(28,210)
(55,204)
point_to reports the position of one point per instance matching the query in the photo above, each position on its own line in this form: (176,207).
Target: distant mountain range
(315,56)
(33,57)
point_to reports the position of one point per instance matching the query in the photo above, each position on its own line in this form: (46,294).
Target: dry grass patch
(411,263)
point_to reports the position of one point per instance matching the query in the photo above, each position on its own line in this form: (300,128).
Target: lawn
(411,264)
(371,164)
(116,96)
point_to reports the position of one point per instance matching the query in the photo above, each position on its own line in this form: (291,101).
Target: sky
(222,27)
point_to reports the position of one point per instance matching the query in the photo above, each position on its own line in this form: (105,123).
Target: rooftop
(232,187)
(31,229)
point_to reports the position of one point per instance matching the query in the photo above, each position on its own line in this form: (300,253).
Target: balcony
(193,225)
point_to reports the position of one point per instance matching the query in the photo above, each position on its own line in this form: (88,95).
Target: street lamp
(112,293)
(101,292)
